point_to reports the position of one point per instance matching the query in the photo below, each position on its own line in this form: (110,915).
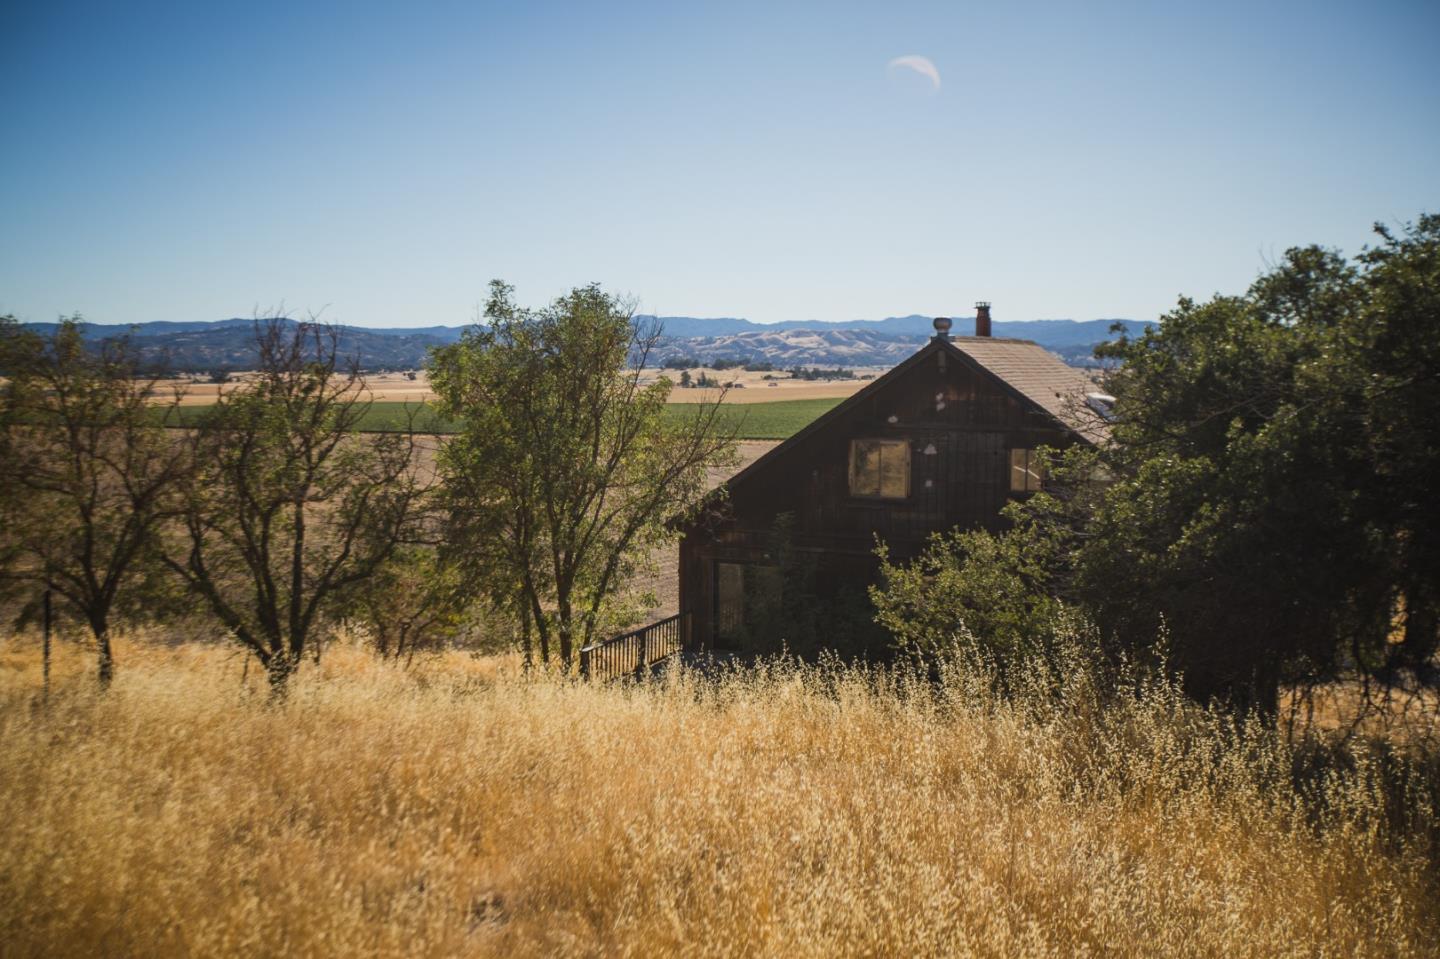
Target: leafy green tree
(566,472)
(88,472)
(1267,505)
(1396,393)
(293,507)
(998,595)
(1274,455)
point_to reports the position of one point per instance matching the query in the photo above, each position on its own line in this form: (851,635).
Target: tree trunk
(565,625)
(1257,694)
(279,670)
(526,646)
(567,647)
(1422,629)
(540,629)
(106,674)
(46,666)
(1266,695)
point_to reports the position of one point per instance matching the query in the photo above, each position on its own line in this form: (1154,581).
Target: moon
(919,64)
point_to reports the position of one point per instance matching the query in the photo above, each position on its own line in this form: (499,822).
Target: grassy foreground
(751,421)
(457,809)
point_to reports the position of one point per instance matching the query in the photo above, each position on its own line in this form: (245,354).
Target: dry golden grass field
(460,809)
(398,388)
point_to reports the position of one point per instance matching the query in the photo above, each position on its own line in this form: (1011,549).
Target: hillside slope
(230,344)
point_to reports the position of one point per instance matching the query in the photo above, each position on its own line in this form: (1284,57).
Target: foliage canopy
(292,508)
(567,471)
(1269,496)
(88,474)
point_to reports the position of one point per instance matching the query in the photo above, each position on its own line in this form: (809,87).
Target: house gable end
(931,445)
(757,471)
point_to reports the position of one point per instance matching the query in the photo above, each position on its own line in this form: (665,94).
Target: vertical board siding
(971,421)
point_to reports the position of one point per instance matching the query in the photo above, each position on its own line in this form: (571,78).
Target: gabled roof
(1025,368)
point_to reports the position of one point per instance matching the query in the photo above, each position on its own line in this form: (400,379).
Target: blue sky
(384,162)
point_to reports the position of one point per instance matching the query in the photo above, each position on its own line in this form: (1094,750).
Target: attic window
(1025,472)
(880,469)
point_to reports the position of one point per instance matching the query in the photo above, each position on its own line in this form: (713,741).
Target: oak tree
(88,470)
(293,506)
(568,469)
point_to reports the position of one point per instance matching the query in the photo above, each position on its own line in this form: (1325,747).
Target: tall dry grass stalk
(461,811)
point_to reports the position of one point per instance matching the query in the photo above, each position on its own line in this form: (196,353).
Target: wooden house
(942,440)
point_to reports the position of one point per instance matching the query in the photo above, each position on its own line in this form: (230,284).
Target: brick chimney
(982,319)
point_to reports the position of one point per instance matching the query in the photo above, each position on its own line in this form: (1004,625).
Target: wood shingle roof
(1027,368)
(1042,378)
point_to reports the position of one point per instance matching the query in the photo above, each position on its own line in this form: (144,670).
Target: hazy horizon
(668,316)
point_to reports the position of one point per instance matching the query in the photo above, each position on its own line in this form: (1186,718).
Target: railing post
(636,651)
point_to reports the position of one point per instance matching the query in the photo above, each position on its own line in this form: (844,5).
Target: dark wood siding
(960,424)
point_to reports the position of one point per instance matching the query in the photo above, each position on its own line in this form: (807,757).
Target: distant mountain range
(1044,332)
(230,344)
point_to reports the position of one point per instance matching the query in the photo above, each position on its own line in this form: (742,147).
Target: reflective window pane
(880,468)
(1024,471)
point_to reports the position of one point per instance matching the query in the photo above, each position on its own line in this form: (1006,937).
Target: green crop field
(751,421)
(764,421)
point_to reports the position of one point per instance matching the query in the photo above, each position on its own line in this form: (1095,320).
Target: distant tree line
(816,373)
(701,381)
(719,364)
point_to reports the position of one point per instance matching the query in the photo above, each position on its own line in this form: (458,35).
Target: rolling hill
(230,344)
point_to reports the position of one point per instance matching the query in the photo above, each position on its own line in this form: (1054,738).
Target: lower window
(747,597)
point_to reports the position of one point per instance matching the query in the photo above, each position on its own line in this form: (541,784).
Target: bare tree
(293,506)
(88,470)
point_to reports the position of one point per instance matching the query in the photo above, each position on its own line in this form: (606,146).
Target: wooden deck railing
(635,651)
